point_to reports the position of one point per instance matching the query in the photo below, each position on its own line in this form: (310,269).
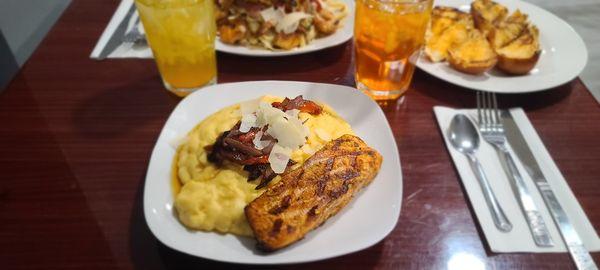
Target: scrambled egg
(213,198)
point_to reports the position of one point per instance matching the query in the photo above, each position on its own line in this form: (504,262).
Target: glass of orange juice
(388,35)
(181,34)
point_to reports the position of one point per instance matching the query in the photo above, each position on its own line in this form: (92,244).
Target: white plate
(370,216)
(340,36)
(563,57)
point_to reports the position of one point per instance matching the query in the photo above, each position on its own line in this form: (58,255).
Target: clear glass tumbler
(388,36)
(181,34)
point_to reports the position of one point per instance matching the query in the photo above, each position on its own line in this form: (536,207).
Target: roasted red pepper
(298,103)
(256,160)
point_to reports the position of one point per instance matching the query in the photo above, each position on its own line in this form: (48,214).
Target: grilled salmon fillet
(307,196)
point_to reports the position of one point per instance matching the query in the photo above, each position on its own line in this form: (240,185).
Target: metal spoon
(465,139)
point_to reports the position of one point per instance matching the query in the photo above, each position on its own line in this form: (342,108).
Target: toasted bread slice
(448,26)
(521,55)
(487,14)
(508,30)
(437,47)
(306,197)
(443,17)
(474,55)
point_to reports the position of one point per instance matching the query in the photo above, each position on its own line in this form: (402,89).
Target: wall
(583,16)
(23,25)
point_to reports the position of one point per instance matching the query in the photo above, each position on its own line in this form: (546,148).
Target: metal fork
(492,131)
(134,35)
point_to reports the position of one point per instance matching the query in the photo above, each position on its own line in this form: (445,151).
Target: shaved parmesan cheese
(248,121)
(299,125)
(293,113)
(268,113)
(288,132)
(284,23)
(273,15)
(279,158)
(290,22)
(249,106)
(257,138)
(285,127)
(258,143)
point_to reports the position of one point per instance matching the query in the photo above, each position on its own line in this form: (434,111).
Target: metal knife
(117,36)
(582,258)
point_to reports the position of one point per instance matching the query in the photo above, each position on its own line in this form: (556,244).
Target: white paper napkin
(125,50)
(519,239)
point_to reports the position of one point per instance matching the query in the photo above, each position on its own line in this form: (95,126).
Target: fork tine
(479,108)
(496,113)
(488,119)
(490,115)
(483,111)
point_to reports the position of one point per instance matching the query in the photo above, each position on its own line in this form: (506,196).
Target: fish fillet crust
(307,196)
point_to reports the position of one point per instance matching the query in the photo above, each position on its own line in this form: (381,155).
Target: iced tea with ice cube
(388,35)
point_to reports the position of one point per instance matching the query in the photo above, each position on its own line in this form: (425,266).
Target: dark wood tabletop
(76,135)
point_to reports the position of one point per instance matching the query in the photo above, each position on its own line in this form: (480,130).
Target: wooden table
(76,137)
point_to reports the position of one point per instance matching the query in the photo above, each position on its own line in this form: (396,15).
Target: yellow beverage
(388,35)
(181,34)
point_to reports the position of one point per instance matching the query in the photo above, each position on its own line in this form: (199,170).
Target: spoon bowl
(463,134)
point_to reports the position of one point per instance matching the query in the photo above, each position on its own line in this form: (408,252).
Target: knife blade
(580,255)
(116,38)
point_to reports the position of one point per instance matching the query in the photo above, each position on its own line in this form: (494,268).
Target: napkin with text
(519,239)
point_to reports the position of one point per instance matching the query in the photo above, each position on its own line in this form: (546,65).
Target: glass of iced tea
(388,35)
(181,34)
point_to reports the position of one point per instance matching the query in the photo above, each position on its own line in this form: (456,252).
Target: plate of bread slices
(503,46)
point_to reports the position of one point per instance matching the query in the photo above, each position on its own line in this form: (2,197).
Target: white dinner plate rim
(155,228)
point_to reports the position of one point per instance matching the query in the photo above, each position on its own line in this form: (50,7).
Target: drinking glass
(388,36)
(181,34)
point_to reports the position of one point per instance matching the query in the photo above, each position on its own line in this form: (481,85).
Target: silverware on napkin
(117,36)
(578,252)
(492,131)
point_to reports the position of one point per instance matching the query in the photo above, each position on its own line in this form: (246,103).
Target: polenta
(212,198)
